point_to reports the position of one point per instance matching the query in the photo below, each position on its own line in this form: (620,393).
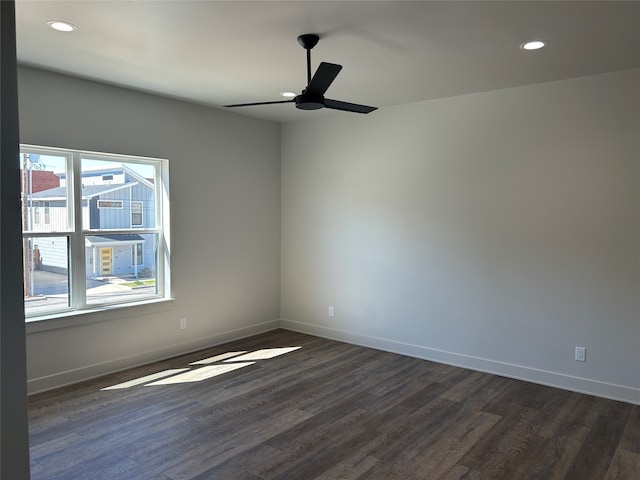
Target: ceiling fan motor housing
(308,101)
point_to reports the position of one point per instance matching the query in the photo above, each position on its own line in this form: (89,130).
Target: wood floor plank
(631,436)
(339,416)
(404,435)
(283,373)
(554,461)
(238,465)
(447,450)
(458,472)
(436,454)
(351,468)
(217,450)
(558,416)
(324,444)
(105,465)
(469,383)
(331,451)
(189,455)
(55,445)
(275,396)
(328,411)
(594,458)
(505,444)
(36,469)
(625,465)
(395,373)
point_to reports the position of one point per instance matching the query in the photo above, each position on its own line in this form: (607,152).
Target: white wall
(225,232)
(495,231)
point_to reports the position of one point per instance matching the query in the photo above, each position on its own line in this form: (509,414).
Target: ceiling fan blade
(259,103)
(322,79)
(347,107)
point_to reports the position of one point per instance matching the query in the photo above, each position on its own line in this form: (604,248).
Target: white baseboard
(61,379)
(519,372)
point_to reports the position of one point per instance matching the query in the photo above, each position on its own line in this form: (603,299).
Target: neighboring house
(115,198)
(40,179)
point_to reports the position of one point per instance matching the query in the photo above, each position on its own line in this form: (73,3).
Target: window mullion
(164,239)
(77,258)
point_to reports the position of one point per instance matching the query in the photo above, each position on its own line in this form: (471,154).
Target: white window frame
(77,234)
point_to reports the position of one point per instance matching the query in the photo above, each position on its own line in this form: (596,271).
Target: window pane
(120,267)
(44,193)
(46,274)
(117,195)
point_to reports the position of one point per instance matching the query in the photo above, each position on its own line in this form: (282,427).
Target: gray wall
(495,231)
(225,231)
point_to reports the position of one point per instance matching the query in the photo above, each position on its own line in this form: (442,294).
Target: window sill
(97,314)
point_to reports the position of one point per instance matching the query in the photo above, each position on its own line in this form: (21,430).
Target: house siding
(53,254)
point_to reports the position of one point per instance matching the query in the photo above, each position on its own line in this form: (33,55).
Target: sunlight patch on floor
(217,358)
(230,361)
(264,354)
(201,374)
(145,379)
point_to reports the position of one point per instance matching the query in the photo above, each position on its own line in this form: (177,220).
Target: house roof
(89,191)
(117,169)
(107,240)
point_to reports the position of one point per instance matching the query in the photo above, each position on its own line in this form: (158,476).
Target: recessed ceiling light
(61,26)
(289,94)
(533,45)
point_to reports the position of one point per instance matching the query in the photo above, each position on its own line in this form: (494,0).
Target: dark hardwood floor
(327,411)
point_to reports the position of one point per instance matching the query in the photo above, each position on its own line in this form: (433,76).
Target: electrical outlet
(581,354)
(183,323)
(331,311)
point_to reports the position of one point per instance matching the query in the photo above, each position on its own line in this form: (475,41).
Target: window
(47,213)
(84,241)
(136,214)
(136,254)
(110,204)
(36,212)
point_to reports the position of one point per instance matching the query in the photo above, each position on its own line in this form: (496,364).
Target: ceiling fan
(312,97)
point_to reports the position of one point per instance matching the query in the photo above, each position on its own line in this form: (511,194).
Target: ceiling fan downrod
(308,41)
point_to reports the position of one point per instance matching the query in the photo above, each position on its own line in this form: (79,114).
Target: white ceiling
(392,52)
